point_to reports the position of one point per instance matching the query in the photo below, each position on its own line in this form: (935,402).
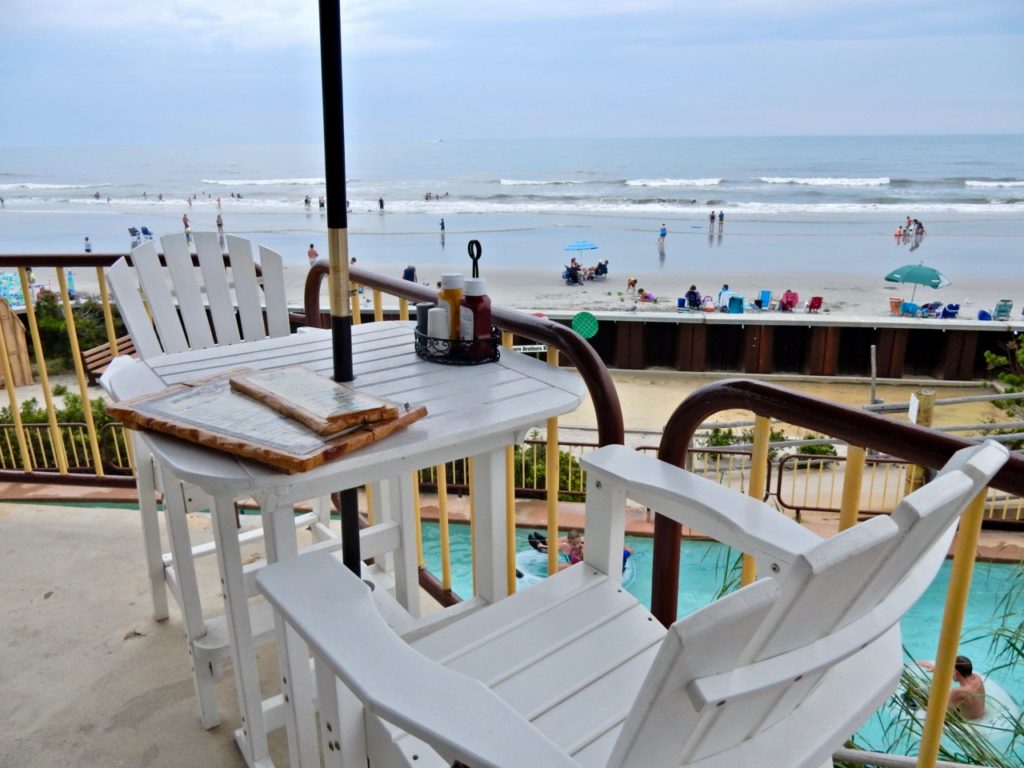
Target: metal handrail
(590,366)
(918,445)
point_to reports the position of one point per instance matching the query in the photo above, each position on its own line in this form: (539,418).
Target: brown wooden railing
(918,445)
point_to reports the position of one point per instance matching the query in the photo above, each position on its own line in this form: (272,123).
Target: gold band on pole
(337,278)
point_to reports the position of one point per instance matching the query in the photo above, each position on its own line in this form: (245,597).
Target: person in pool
(969,698)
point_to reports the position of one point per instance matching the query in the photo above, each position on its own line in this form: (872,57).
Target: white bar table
(472,411)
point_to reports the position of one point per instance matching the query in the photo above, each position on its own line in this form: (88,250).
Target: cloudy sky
(84,72)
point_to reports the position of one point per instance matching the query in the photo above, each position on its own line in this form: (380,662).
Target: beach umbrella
(918,274)
(580,245)
(337,242)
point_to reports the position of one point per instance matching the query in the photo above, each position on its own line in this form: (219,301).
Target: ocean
(791,203)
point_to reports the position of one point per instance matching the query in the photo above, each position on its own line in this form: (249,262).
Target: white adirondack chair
(173,309)
(575,672)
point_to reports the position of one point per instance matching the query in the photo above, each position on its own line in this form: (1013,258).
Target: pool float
(996,726)
(532,564)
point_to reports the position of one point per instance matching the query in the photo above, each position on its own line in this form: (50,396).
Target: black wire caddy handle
(475,252)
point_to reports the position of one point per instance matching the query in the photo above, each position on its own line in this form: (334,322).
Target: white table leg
(252,736)
(145,486)
(400,509)
(292,653)
(342,733)
(489,525)
(203,677)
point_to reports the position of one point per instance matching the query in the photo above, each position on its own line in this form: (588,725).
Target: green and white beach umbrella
(918,274)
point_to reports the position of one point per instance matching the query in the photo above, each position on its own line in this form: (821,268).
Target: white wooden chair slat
(190,298)
(776,674)
(274,293)
(124,286)
(218,292)
(247,290)
(156,291)
(383,667)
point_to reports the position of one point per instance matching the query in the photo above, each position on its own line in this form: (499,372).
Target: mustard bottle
(451,295)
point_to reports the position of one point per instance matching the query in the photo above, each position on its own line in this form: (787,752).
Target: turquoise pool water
(702,572)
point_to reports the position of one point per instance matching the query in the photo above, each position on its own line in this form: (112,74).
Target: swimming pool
(701,575)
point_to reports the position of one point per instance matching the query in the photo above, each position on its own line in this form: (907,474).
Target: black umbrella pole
(337,242)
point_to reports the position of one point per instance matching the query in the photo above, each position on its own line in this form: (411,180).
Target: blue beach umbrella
(918,274)
(580,245)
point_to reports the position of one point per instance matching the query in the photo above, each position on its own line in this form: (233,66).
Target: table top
(470,408)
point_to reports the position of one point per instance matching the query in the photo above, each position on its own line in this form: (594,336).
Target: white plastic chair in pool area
(574,671)
(183,304)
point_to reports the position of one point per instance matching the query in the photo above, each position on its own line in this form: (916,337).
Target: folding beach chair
(1002,309)
(950,311)
(894,305)
(788,301)
(814,304)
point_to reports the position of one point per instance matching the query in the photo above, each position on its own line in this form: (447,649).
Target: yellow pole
(378,305)
(442,526)
(551,478)
(368,490)
(419,517)
(852,482)
(403,308)
(357,312)
(926,405)
(758,477)
(44,378)
(510,500)
(83,388)
(472,516)
(108,316)
(12,398)
(952,623)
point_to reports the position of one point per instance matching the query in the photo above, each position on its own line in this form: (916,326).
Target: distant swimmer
(711,221)
(220,223)
(184,220)
(380,203)
(88,246)
(313,255)
(721,220)
(662,233)
(442,225)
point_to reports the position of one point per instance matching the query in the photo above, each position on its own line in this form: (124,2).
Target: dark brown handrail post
(919,445)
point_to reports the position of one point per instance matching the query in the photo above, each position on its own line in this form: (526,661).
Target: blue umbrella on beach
(918,274)
(580,245)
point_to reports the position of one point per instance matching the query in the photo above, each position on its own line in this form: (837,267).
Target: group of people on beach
(911,231)
(576,273)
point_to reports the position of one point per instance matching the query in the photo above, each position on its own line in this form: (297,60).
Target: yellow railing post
(419,517)
(510,500)
(758,477)
(551,478)
(472,516)
(378,305)
(442,527)
(853,479)
(357,312)
(108,316)
(44,380)
(83,388)
(12,398)
(952,623)
(403,308)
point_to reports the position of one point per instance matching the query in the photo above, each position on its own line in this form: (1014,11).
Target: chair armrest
(738,520)
(457,715)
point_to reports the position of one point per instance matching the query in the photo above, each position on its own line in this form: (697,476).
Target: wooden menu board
(209,413)
(323,405)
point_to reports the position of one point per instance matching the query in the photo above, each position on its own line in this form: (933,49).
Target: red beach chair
(814,304)
(788,301)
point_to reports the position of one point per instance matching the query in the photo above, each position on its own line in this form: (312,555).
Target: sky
(116,72)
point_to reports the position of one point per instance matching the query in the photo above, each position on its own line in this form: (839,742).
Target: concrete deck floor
(90,679)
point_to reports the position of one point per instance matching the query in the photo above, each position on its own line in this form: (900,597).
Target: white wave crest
(673,182)
(30,185)
(263,182)
(816,181)
(976,183)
